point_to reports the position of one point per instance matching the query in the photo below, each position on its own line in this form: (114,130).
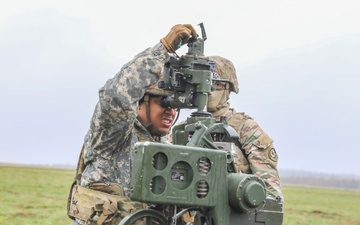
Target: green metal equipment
(197,173)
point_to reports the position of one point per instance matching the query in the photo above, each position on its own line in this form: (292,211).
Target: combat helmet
(226,70)
(155,90)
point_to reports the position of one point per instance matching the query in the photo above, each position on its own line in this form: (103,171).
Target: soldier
(257,155)
(128,111)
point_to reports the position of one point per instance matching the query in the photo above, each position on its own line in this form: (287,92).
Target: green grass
(321,206)
(33,196)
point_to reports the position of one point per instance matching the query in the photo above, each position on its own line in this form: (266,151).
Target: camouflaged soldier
(128,111)
(258,155)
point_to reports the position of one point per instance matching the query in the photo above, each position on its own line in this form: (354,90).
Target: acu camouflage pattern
(258,155)
(114,128)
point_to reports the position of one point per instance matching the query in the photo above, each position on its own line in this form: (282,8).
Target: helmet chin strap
(148,124)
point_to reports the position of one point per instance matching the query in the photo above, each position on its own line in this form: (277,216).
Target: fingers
(187,31)
(193,31)
(179,35)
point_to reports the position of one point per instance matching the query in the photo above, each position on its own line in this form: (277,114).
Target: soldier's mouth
(167,122)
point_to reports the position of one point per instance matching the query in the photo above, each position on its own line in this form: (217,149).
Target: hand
(178,36)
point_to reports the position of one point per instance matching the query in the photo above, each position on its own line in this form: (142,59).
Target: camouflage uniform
(114,128)
(258,155)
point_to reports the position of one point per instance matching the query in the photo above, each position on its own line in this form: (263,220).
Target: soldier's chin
(160,133)
(163,132)
(157,132)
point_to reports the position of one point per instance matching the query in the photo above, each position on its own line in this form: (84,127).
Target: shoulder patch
(273,155)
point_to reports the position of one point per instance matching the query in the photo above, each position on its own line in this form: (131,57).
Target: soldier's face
(161,118)
(219,97)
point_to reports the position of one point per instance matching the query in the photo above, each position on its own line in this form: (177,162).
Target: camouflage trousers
(105,204)
(101,204)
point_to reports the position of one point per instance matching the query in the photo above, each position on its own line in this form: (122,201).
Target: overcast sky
(297,64)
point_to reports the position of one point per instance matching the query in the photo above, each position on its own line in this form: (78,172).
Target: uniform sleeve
(261,155)
(117,108)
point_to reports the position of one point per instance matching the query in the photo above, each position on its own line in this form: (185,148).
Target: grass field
(34,196)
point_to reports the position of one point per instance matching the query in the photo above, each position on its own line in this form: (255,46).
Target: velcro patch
(273,155)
